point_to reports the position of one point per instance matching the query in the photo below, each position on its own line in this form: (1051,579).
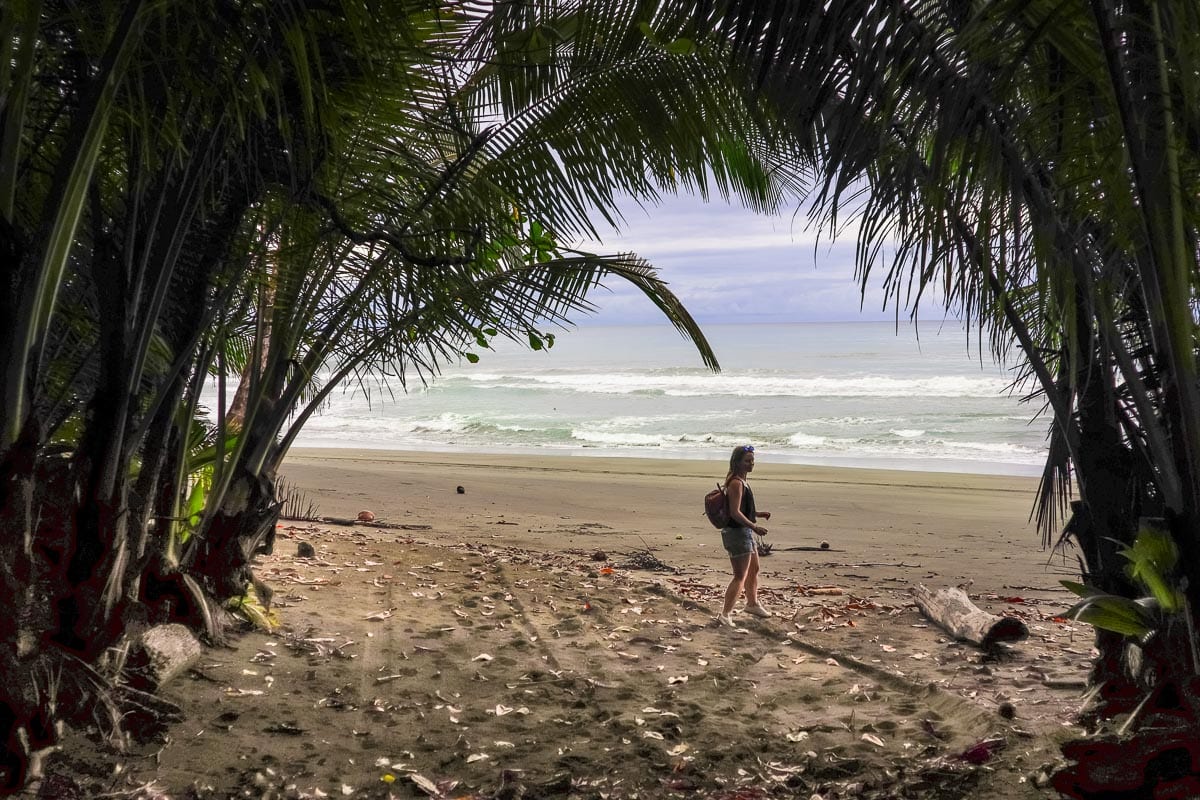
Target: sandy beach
(548,631)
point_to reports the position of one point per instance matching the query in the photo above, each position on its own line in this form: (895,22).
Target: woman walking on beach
(738,537)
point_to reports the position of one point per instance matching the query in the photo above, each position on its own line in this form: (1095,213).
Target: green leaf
(1081,590)
(1153,546)
(474,359)
(206,456)
(195,503)
(681,47)
(535,341)
(1117,614)
(1152,558)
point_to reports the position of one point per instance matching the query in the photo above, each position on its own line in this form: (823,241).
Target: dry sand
(522,645)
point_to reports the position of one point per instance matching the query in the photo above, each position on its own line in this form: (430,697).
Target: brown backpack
(716,507)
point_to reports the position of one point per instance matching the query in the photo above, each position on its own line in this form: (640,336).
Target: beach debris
(305,550)
(380,615)
(366,516)
(648,561)
(375,523)
(954,612)
(819,590)
(424,784)
(160,654)
(293,503)
(981,751)
(389,678)
(824,545)
(460,490)
(599,555)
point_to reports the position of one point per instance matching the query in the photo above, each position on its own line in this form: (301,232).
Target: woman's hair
(735,461)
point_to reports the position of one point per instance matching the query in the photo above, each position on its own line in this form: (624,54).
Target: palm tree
(1033,165)
(403,275)
(402,186)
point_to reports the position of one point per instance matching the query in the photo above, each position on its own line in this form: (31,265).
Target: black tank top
(747,505)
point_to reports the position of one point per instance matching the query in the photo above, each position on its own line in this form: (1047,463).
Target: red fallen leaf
(1060,620)
(606,570)
(1014,599)
(587,607)
(982,751)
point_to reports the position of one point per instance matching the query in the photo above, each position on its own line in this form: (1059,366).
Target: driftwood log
(373,524)
(952,610)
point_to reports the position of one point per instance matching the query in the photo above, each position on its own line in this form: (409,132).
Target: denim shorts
(738,541)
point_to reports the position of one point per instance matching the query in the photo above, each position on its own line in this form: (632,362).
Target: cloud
(727,263)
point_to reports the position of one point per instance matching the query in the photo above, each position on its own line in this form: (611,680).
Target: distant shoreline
(374,459)
(935,466)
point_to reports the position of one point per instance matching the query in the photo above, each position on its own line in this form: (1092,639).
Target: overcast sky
(727,263)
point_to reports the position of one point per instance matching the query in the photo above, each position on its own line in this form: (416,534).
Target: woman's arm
(734,493)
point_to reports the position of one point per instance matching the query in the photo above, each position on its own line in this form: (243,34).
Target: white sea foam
(805,440)
(446,423)
(850,394)
(618,439)
(707,384)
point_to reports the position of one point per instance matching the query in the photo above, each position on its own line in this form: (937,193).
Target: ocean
(857,394)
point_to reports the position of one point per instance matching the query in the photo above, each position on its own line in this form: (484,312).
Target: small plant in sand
(1160,613)
(1162,660)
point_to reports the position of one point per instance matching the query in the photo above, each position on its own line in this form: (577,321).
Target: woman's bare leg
(741,565)
(751,580)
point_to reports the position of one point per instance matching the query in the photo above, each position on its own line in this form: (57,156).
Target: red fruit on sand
(366,516)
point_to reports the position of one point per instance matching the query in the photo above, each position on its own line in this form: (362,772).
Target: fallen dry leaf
(424,784)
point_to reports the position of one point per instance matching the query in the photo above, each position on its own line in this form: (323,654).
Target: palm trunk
(242,527)
(19,626)
(235,417)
